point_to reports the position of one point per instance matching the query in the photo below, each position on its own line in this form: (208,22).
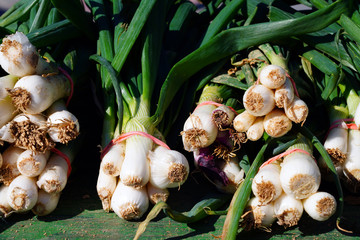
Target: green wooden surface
(79,216)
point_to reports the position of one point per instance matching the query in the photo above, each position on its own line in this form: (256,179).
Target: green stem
(241,197)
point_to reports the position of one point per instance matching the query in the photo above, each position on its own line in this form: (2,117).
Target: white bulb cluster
(286,189)
(33,120)
(205,133)
(135,172)
(270,106)
(31,181)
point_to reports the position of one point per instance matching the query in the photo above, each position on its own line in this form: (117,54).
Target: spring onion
(320,206)
(243,121)
(272,76)
(258,100)
(20,58)
(156,194)
(34,94)
(31,164)
(9,170)
(276,123)
(288,210)
(199,130)
(129,202)
(258,214)
(266,185)
(46,203)
(168,168)
(5,208)
(22,194)
(105,187)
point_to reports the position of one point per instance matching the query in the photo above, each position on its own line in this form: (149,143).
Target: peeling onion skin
(320,206)
(259,100)
(272,76)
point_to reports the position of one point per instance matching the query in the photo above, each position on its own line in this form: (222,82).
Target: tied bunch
(136,169)
(209,134)
(34,120)
(342,143)
(270,105)
(283,190)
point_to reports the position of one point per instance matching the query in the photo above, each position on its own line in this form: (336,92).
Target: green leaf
(233,40)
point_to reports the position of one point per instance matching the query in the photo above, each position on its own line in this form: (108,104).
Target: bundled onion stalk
(36,129)
(137,166)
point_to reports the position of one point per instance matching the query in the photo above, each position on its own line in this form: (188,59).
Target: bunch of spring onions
(284,187)
(137,166)
(341,141)
(35,130)
(271,105)
(208,133)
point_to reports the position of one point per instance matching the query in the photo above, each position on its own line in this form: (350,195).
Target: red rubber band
(277,157)
(342,123)
(125,136)
(294,85)
(67,75)
(66,158)
(215,104)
